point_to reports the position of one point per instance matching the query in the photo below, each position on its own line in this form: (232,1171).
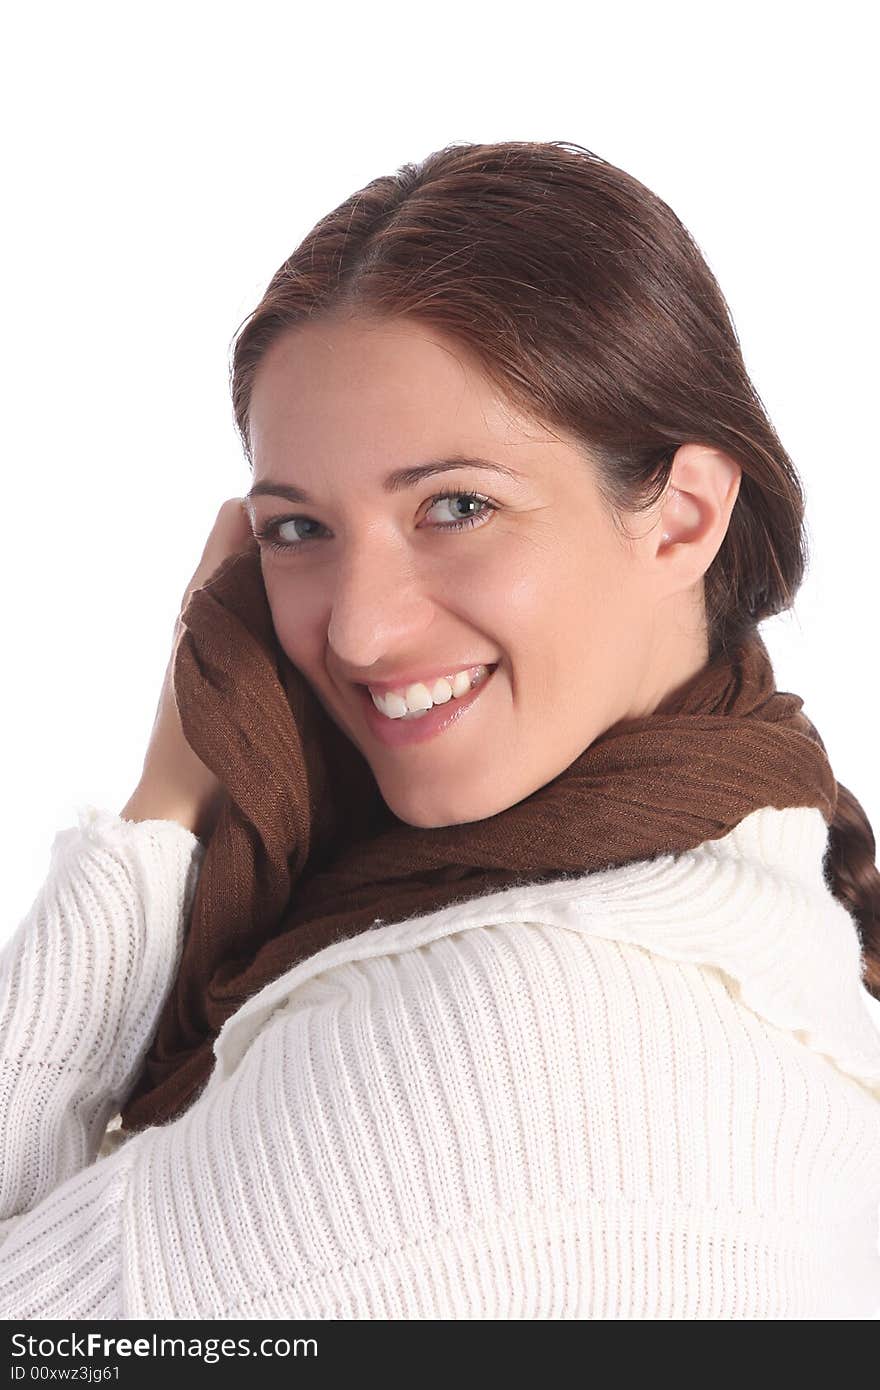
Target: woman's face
(583,625)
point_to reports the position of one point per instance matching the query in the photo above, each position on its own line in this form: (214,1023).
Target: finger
(231,531)
(230,534)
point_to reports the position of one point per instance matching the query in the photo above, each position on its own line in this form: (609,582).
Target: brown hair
(590,306)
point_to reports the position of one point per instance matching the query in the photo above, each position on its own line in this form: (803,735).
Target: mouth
(419,727)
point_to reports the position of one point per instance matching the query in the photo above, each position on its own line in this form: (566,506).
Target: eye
(267,534)
(271,538)
(472,520)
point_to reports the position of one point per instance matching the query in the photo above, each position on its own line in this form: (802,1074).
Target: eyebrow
(397,481)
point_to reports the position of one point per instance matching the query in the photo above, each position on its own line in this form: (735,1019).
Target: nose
(379,606)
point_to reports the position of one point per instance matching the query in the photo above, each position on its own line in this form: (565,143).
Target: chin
(432,815)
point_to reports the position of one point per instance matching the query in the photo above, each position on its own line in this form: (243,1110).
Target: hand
(175,784)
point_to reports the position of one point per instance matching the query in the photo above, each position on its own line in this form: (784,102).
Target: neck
(680,649)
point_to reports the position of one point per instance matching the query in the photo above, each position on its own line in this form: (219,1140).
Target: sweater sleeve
(512,1121)
(82,983)
(363,1157)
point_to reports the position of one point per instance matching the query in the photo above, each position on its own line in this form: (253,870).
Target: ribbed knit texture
(650,1092)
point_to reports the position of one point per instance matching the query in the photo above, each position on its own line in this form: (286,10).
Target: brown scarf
(305,852)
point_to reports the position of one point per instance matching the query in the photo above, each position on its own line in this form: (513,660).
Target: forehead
(393,390)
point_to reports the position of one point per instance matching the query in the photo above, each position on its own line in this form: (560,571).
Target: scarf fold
(305,851)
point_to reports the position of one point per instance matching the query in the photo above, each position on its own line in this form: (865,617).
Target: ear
(695,509)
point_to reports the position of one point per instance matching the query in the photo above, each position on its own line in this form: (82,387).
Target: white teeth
(417,698)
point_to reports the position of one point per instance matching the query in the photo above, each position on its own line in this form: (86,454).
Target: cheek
(295,617)
(541,589)
(564,614)
(526,604)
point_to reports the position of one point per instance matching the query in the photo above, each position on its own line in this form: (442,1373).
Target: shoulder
(523,1023)
(541,1029)
(509,1082)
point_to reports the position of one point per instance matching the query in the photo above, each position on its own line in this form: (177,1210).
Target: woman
(486,936)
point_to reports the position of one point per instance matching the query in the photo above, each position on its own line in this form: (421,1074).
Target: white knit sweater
(650,1092)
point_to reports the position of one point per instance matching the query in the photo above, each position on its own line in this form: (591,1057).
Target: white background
(160,163)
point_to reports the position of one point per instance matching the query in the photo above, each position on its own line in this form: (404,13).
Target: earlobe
(670,492)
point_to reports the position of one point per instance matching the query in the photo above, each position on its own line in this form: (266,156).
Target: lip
(398,733)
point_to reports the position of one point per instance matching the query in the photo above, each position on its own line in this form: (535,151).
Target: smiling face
(584,625)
